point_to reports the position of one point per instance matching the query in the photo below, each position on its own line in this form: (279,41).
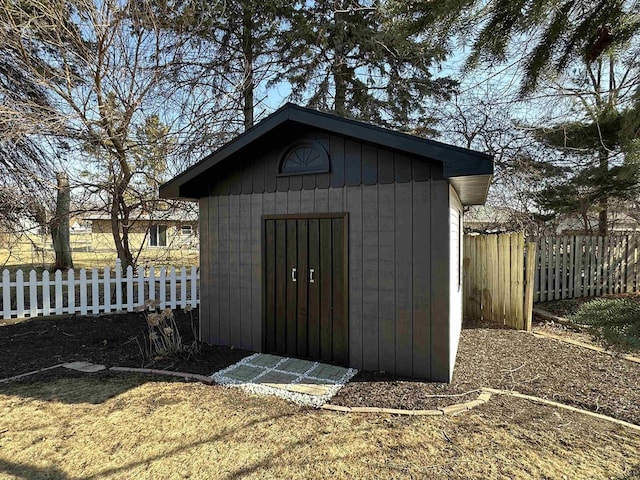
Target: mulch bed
(513,360)
(111,340)
(487,357)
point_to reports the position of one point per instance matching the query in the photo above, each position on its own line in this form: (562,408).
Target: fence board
(141,287)
(544,253)
(529,284)
(6,294)
(183,287)
(572,252)
(33,294)
(577,273)
(556,267)
(83,292)
(71,292)
(95,290)
(20,293)
(107,289)
(129,287)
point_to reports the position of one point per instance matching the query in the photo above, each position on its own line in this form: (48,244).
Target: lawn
(70,425)
(133,427)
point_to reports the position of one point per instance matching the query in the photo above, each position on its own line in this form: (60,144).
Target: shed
(327,238)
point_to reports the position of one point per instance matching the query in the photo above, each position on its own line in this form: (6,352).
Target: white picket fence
(95,291)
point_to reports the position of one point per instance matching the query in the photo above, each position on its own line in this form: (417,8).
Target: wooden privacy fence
(586,266)
(497,286)
(95,291)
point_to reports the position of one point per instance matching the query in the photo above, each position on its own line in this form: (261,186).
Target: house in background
(487,219)
(336,240)
(162,235)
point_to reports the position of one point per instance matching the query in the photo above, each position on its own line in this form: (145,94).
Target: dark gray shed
(332,239)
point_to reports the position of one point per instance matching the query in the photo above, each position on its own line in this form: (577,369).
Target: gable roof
(468,171)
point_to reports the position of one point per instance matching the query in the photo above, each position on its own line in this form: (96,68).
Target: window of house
(186,230)
(158,236)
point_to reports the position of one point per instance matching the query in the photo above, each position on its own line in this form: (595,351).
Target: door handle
(311,272)
(294,277)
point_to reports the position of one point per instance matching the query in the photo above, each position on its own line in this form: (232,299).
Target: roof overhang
(468,171)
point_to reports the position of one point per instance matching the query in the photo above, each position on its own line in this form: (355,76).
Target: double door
(305,307)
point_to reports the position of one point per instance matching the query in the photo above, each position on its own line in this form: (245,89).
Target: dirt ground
(104,427)
(487,357)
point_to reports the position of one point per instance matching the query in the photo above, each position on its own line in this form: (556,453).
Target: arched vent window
(303,158)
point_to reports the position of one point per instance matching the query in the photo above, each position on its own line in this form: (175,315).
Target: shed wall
(398,270)
(353,163)
(455,290)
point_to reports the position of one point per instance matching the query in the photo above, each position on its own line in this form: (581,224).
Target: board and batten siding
(398,281)
(455,275)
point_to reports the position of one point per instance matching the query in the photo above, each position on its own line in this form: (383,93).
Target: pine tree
(353,58)
(559,31)
(235,48)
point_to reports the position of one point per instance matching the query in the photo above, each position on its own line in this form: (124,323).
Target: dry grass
(124,427)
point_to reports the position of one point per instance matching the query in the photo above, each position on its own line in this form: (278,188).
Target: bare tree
(100,66)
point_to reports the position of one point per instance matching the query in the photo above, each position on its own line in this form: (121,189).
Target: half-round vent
(304,157)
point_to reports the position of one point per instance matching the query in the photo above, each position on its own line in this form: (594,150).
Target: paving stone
(277,378)
(266,360)
(244,373)
(329,372)
(85,367)
(296,365)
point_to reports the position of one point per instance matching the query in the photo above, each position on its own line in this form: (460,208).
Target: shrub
(164,339)
(614,321)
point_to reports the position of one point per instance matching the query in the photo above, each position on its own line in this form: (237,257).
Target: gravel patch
(257,381)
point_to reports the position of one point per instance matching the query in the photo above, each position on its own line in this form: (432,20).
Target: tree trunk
(339,66)
(120,228)
(603,224)
(60,233)
(247,84)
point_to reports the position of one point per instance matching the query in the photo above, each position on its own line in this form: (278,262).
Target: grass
(131,427)
(88,260)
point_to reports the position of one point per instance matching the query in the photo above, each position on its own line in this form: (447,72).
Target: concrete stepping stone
(85,367)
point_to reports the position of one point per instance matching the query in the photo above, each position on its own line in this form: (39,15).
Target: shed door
(305,288)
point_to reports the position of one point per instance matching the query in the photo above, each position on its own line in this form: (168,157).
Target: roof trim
(456,161)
